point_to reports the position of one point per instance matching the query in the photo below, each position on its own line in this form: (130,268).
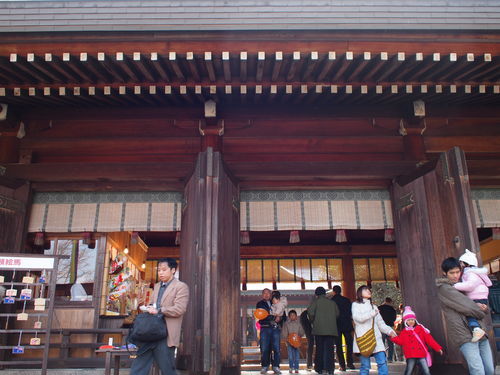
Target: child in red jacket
(414,339)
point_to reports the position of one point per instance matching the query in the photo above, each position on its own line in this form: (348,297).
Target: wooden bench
(112,360)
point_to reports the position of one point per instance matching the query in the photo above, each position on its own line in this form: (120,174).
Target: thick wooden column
(14,199)
(210,265)
(349,289)
(434,219)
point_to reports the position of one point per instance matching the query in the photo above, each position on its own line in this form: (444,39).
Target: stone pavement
(394,369)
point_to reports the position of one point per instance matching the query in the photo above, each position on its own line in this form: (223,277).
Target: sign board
(30,263)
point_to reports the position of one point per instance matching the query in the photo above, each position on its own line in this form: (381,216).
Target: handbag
(147,328)
(428,356)
(294,340)
(367,342)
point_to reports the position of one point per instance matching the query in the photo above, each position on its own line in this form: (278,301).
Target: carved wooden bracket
(405,201)
(11,204)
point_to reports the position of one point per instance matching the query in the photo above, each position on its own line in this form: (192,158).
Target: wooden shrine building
(259,142)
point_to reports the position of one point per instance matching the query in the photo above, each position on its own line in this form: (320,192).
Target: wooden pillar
(434,219)
(349,289)
(244,325)
(210,265)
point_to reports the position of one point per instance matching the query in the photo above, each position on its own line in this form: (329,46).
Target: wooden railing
(66,345)
(95,340)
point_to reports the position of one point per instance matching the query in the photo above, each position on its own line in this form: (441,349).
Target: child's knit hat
(408,313)
(469,257)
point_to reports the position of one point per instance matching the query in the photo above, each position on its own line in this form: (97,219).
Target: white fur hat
(469,257)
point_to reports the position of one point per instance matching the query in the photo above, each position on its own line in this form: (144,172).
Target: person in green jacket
(323,314)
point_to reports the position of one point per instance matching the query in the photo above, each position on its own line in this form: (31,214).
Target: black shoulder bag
(147,328)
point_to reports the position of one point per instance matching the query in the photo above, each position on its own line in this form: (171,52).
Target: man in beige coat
(170,298)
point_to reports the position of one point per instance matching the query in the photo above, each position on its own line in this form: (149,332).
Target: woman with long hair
(365,316)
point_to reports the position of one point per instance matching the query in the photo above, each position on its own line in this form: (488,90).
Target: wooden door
(434,219)
(210,265)
(14,198)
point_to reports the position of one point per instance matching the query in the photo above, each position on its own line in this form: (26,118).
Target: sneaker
(296,371)
(277,370)
(290,371)
(309,369)
(341,368)
(351,367)
(477,334)
(263,370)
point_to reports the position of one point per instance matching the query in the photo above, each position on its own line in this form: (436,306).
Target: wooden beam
(311,66)
(327,66)
(112,69)
(359,66)
(113,146)
(97,171)
(80,66)
(379,63)
(314,251)
(38,63)
(172,59)
(342,65)
(140,62)
(173,184)
(209,64)
(123,61)
(243,66)
(261,60)
(336,170)
(278,61)
(295,66)
(283,184)
(313,145)
(476,144)
(8,69)
(96,68)
(226,63)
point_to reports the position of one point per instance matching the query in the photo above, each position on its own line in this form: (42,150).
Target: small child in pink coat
(475,283)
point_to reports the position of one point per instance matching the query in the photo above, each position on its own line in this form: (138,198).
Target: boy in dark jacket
(344,326)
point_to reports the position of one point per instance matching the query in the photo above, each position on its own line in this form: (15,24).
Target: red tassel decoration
(178,238)
(397,283)
(244,237)
(275,287)
(389,235)
(244,284)
(294,236)
(340,235)
(39,239)
(134,238)
(329,284)
(302,284)
(496,234)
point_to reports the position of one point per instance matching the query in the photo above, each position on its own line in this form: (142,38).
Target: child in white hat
(475,283)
